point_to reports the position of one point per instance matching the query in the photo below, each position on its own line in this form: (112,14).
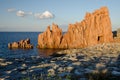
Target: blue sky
(36,15)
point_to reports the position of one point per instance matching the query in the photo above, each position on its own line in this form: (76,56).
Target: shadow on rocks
(57,55)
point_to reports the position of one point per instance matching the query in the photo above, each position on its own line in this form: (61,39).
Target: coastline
(101,61)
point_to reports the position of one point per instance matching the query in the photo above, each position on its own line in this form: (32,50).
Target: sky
(36,15)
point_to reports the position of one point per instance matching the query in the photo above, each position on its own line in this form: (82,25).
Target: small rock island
(23,44)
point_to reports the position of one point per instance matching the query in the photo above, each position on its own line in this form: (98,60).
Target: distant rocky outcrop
(94,29)
(23,44)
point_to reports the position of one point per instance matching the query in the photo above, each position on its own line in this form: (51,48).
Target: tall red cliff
(94,29)
(50,38)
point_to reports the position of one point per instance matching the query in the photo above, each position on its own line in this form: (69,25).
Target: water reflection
(47,52)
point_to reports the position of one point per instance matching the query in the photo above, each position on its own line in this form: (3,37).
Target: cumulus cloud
(44,15)
(11,10)
(21,13)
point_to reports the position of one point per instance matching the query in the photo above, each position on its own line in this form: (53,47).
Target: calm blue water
(8,37)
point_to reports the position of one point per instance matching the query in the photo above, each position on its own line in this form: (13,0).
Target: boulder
(13,45)
(94,29)
(24,44)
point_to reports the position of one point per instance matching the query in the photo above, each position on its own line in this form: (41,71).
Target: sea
(9,37)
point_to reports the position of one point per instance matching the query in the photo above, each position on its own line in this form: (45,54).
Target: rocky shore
(100,62)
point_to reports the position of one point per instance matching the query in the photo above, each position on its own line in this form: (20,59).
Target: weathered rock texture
(24,44)
(94,29)
(50,38)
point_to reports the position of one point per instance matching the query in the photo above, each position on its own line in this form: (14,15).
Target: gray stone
(24,65)
(69,68)
(76,63)
(60,69)
(38,69)
(55,66)
(51,71)
(63,74)
(115,73)
(100,66)
(65,58)
(73,55)
(28,62)
(73,59)
(52,61)
(21,68)
(113,68)
(78,73)
(87,71)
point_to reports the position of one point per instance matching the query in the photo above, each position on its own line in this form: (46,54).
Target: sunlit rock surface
(24,44)
(95,28)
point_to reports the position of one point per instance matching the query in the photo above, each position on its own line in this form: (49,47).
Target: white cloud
(21,13)
(44,15)
(47,14)
(11,10)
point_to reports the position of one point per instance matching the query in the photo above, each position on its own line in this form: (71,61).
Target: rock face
(50,38)
(24,44)
(94,29)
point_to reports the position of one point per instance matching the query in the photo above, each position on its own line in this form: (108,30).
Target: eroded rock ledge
(94,29)
(23,44)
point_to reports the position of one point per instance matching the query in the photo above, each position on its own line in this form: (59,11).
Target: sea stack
(94,29)
(22,44)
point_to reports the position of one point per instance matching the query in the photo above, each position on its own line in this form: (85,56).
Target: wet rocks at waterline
(23,44)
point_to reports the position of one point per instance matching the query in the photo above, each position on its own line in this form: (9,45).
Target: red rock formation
(24,44)
(50,38)
(94,29)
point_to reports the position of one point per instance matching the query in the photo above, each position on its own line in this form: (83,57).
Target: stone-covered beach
(100,62)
